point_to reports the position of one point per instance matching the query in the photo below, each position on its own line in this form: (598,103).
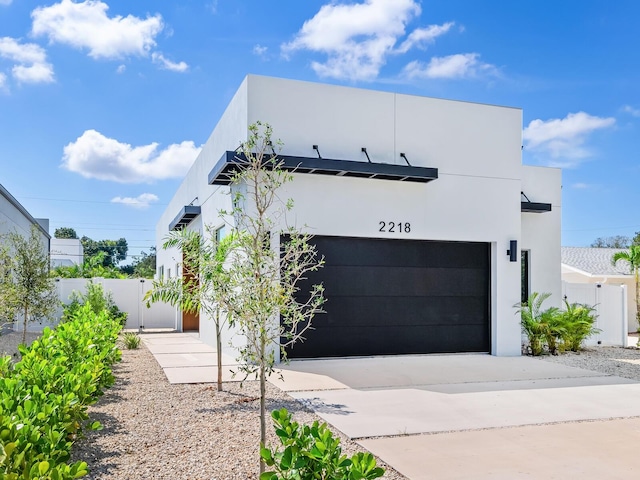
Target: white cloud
(581,186)
(461,65)
(259,50)
(165,64)
(142,201)
(30,59)
(5,2)
(564,138)
(86,25)
(358,37)
(121,68)
(422,36)
(630,110)
(3,81)
(93,155)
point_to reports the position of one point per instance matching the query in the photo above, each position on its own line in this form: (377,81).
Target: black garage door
(399,297)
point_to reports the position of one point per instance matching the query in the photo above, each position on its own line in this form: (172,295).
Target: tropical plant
(114,250)
(578,324)
(540,326)
(92,267)
(311,451)
(25,286)
(632,257)
(204,288)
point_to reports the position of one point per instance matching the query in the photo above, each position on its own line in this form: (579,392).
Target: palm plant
(578,324)
(541,326)
(632,256)
(207,289)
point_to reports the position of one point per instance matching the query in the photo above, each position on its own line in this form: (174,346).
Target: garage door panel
(401,311)
(385,341)
(410,253)
(399,296)
(398,281)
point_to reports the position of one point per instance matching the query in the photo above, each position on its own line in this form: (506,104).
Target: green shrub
(44,397)
(98,301)
(312,452)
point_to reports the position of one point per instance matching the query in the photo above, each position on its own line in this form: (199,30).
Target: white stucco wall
(541,232)
(476,148)
(66,251)
(14,218)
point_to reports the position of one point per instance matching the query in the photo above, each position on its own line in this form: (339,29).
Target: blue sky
(104,105)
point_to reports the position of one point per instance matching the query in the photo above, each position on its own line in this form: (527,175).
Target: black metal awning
(527,206)
(185,217)
(227,166)
(534,207)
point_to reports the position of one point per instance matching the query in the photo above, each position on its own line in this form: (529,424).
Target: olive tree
(25,286)
(268,261)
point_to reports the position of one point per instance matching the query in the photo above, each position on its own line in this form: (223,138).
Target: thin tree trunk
(24,330)
(263,429)
(219,349)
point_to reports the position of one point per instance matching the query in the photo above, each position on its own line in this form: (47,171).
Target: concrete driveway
(476,416)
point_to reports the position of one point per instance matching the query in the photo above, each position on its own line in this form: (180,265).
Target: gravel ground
(154,430)
(609,360)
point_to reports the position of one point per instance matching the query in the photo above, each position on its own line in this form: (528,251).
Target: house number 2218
(395,227)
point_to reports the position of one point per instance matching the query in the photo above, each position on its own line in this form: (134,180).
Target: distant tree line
(617,241)
(102,259)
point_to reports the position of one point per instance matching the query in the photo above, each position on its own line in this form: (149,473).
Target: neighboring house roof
(11,199)
(594,261)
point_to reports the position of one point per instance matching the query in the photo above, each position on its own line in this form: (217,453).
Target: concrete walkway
(185,359)
(455,416)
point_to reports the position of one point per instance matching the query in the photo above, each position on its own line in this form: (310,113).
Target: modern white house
(431,227)
(66,252)
(15,218)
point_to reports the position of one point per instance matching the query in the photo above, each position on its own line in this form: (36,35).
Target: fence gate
(610,302)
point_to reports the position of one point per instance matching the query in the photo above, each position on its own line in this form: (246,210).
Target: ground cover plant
(311,451)
(44,397)
(552,329)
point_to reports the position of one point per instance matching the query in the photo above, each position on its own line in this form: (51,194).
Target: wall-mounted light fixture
(513,251)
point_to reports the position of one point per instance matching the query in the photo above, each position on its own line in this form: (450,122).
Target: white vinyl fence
(610,302)
(127,294)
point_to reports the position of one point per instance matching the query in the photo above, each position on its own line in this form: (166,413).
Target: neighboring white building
(423,234)
(66,252)
(15,218)
(593,265)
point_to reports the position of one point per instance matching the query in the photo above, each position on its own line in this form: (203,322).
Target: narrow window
(219,234)
(524,281)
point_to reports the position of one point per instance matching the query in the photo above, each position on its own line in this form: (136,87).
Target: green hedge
(44,397)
